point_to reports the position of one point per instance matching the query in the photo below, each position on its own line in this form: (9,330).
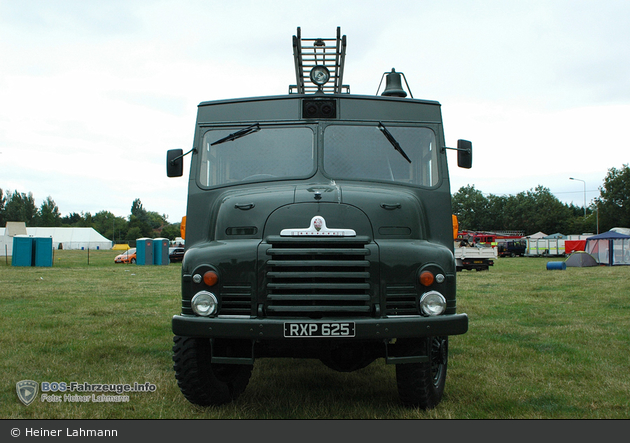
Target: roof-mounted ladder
(311,52)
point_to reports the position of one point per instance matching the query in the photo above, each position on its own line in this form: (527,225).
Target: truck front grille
(314,277)
(401,300)
(236,299)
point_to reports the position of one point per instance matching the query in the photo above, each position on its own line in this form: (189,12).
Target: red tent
(574,245)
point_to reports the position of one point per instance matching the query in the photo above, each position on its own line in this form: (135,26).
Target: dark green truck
(318,226)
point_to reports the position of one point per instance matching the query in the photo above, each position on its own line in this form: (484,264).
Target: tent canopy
(609,248)
(63,238)
(609,235)
(556,235)
(622,230)
(539,234)
(580,259)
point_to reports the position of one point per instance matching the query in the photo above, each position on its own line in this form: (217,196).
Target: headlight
(204,303)
(432,303)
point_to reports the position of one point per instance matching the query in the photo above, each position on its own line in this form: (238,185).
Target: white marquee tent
(63,238)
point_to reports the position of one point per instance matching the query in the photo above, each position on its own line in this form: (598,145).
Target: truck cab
(318,225)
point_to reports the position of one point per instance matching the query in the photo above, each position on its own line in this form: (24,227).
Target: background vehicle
(129,256)
(318,225)
(175,254)
(511,248)
(474,252)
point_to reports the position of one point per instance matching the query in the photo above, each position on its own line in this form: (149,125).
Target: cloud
(93,94)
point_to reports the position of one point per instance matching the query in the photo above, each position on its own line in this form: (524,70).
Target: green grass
(541,344)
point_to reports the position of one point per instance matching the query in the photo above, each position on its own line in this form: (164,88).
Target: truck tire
(421,385)
(202,382)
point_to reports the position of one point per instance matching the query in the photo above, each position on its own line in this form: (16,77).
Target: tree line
(528,211)
(539,210)
(20,207)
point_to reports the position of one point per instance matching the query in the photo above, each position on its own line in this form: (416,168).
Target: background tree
(531,211)
(549,214)
(471,209)
(614,200)
(171,231)
(498,213)
(110,226)
(139,223)
(3,200)
(20,208)
(578,224)
(48,215)
(86,220)
(71,220)
(133,234)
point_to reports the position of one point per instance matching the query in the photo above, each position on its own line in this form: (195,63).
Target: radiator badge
(318,227)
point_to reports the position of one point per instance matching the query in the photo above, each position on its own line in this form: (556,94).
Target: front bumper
(366,328)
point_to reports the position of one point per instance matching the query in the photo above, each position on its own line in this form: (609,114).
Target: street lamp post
(577,179)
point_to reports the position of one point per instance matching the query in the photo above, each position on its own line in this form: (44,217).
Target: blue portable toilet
(160,251)
(22,251)
(144,251)
(42,251)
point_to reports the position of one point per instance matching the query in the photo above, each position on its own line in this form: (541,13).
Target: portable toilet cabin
(22,251)
(144,251)
(160,251)
(42,251)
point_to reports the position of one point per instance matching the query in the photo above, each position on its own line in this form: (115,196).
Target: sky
(94,92)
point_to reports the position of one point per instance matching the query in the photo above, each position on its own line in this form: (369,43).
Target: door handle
(390,206)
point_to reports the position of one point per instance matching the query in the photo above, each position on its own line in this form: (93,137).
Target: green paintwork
(402,230)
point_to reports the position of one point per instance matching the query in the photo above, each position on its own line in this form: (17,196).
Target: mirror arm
(172,162)
(444,148)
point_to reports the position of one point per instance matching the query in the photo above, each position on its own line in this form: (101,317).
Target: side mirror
(174,163)
(464,154)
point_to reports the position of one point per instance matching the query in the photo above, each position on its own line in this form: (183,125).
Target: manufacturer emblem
(318,227)
(26,391)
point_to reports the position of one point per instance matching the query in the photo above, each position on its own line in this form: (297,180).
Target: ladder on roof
(311,52)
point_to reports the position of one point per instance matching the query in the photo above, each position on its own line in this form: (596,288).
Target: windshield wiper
(393,141)
(238,134)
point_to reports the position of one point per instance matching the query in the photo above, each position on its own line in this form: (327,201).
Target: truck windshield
(270,153)
(361,152)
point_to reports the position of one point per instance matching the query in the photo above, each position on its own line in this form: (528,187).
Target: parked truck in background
(474,251)
(318,226)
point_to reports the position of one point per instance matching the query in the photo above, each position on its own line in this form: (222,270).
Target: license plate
(335,329)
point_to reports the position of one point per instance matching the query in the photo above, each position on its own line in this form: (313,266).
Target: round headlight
(432,303)
(320,75)
(204,303)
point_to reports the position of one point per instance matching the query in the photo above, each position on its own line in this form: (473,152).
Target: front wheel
(202,382)
(421,385)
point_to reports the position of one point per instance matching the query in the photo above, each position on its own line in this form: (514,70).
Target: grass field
(541,344)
